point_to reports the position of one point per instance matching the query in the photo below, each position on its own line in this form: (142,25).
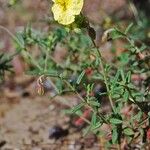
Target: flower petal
(66,18)
(65,10)
(76,6)
(57,11)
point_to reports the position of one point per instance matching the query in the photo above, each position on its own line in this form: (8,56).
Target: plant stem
(46,60)
(32,60)
(104,74)
(84,101)
(66,103)
(12,36)
(22,46)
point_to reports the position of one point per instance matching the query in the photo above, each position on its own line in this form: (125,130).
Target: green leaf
(115,121)
(128,77)
(69,112)
(115,96)
(143,47)
(97,61)
(116,78)
(138,116)
(98,77)
(131,86)
(107,68)
(114,136)
(128,131)
(76,108)
(119,107)
(115,34)
(80,77)
(128,28)
(122,74)
(89,88)
(124,58)
(20,39)
(97,125)
(86,130)
(59,86)
(94,103)
(93,120)
(126,95)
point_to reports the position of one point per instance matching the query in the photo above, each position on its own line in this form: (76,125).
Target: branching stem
(104,74)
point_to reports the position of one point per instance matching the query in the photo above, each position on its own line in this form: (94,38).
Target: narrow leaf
(76,108)
(128,28)
(128,131)
(80,77)
(114,136)
(115,121)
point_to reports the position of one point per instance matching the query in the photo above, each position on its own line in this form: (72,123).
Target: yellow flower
(65,10)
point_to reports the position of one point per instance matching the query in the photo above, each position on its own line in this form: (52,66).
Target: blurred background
(26,119)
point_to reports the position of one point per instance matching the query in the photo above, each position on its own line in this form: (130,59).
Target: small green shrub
(125,78)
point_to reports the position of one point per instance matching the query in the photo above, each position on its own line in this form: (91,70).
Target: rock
(2,143)
(57,132)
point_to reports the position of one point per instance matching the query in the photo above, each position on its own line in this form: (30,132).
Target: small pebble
(57,132)
(25,94)
(2,143)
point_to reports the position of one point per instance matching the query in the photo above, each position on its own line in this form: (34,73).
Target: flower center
(63,4)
